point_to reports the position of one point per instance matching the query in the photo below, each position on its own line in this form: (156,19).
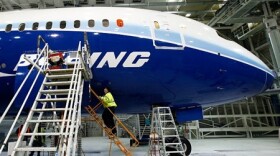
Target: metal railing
(40,55)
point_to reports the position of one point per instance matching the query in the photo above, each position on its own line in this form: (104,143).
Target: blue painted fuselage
(177,78)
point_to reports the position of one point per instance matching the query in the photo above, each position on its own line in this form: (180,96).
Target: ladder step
(166,128)
(56,71)
(169,152)
(49,109)
(52,100)
(177,143)
(42,134)
(36,149)
(169,136)
(58,83)
(57,91)
(165,114)
(42,121)
(167,121)
(60,76)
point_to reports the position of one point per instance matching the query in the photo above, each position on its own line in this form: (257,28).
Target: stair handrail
(22,84)
(78,122)
(118,121)
(39,39)
(70,138)
(25,100)
(67,113)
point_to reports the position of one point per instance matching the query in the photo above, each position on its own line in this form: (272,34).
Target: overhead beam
(191,11)
(7,4)
(58,3)
(254,19)
(168,4)
(24,4)
(41,4)
(233,9)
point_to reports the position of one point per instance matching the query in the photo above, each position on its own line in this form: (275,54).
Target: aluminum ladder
(60,94)
(92,111)
(164,134)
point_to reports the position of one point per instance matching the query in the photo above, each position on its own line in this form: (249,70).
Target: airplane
(146,57)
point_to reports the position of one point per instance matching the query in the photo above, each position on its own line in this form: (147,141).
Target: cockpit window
(35,26)
(91,23)
(8,28)
(63,24)
(77,24)
(105,22)
(21,26)
(49,25)
(156,24)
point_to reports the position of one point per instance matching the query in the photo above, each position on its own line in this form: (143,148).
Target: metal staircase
(164,137)
(59,98)
(92,111)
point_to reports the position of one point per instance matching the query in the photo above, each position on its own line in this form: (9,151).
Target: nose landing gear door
(165,38)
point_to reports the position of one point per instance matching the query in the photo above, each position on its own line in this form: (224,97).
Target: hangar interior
(254,24)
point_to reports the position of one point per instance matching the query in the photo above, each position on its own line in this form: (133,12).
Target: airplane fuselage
(152,59)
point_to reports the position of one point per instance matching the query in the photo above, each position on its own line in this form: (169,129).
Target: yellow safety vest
(108,100)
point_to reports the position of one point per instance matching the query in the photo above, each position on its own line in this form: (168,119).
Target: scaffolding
(250,118)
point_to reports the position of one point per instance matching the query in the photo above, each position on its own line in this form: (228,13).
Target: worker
(55,59)
(38,141)
(19,129)
(109,104)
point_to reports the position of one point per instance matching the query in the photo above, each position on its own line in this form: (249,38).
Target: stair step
(63,76)
(58,83)
(166,128)
(52,100)
(172,143)
(57,91)
(49,109)
(36,149)
(165,114)
(57,71)
(170,152)
(167,121)
(42,121)
(43,134)
(168,136)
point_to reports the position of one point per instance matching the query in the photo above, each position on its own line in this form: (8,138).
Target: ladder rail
(67,113)
(78,122)
(22,84)
(20,110)
(161,120)
(29,115)
(37,124)
(70,139)
(119,121)
(68,126)
(136,142)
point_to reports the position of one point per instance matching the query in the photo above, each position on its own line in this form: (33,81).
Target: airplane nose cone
(270,78)
(267,77)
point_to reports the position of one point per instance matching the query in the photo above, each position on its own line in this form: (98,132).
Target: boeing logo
(134,59)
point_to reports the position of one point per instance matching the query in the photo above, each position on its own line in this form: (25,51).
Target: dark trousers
(108,118)
(36,143)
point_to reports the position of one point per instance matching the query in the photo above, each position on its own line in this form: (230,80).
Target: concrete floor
(99,146)
(207,147)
